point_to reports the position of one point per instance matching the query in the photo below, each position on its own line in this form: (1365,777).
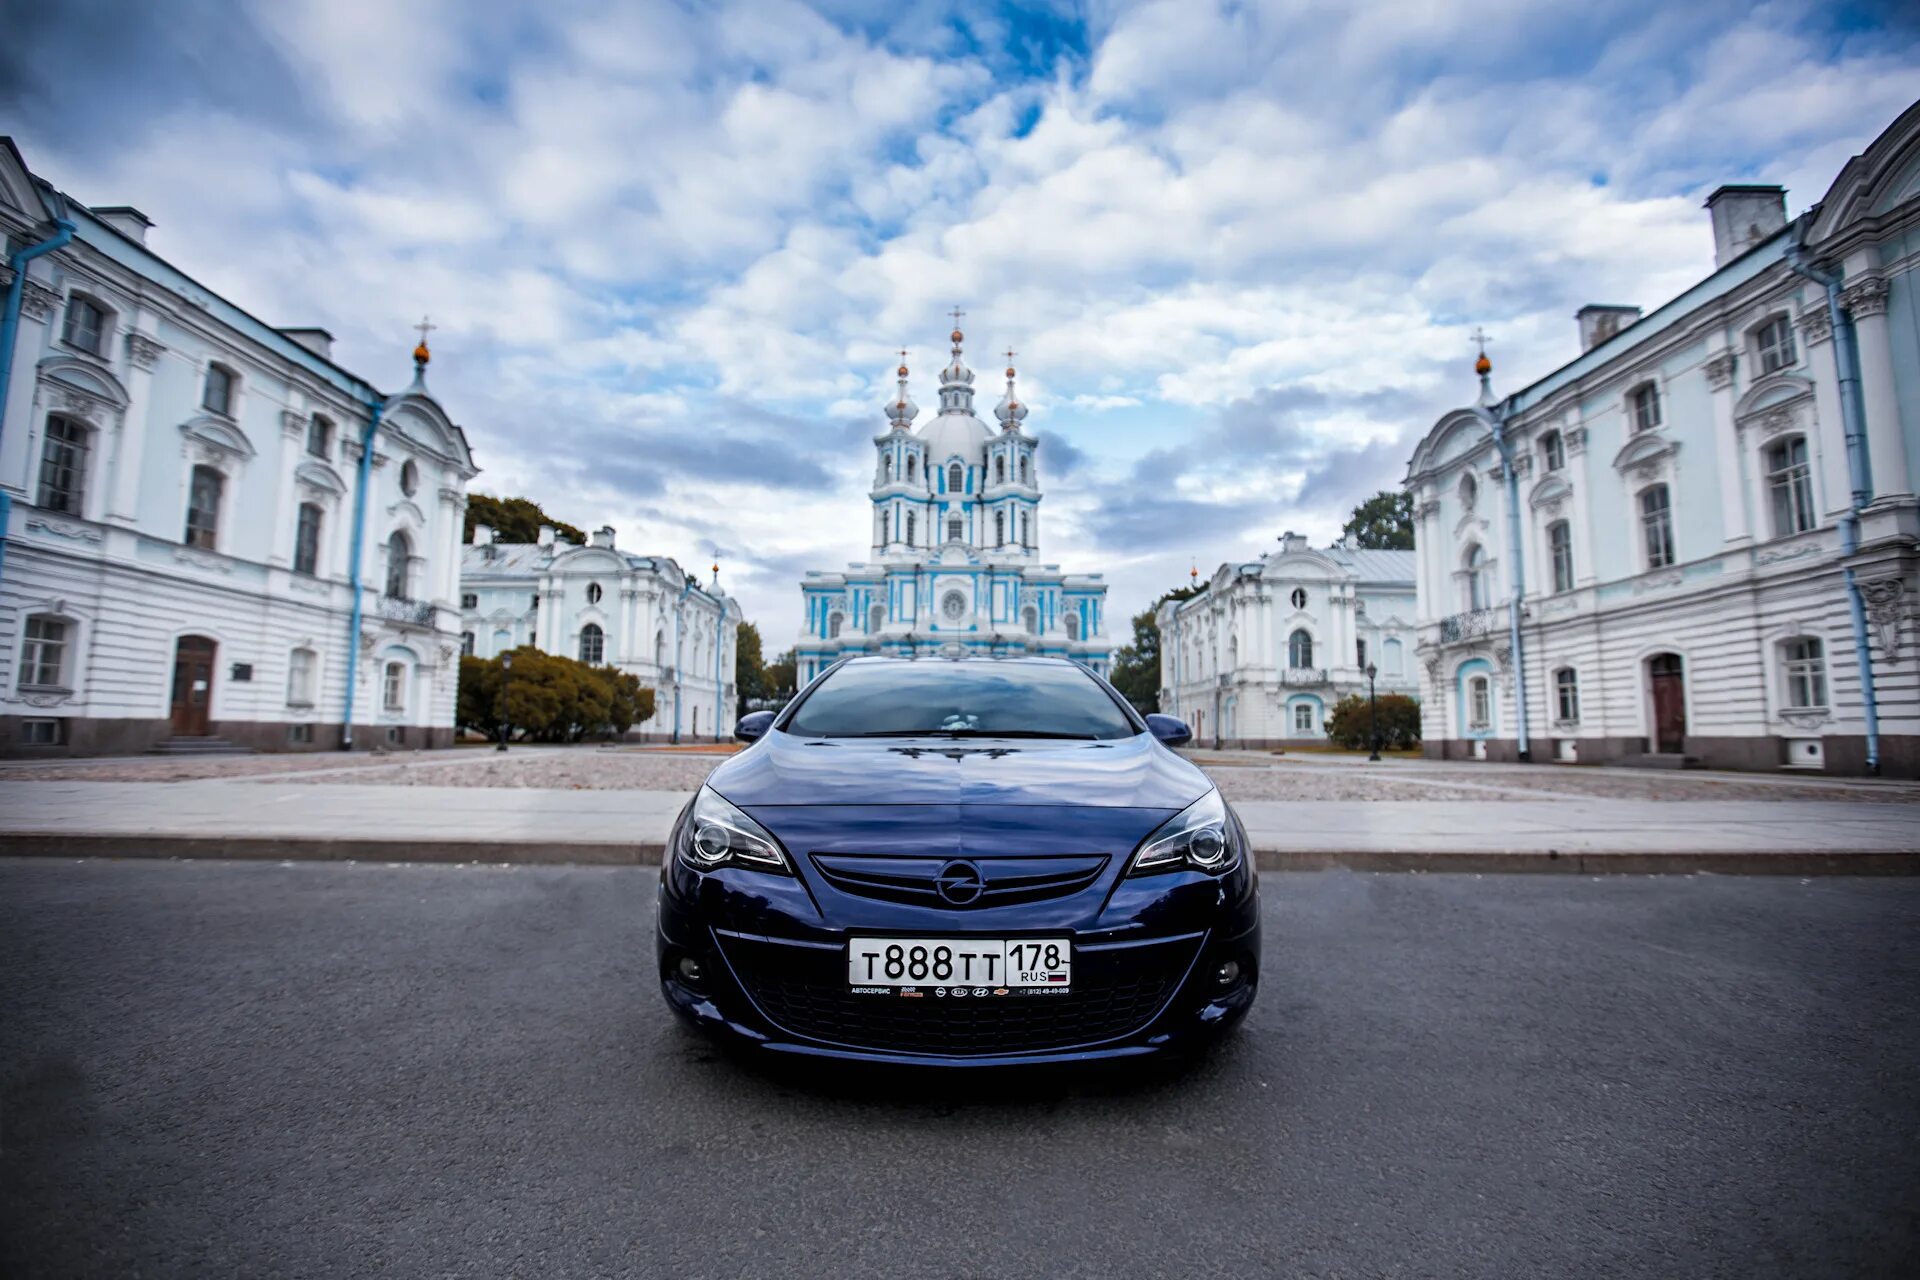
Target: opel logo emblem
(959,883)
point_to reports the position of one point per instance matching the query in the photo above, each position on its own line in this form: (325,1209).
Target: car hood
(1124,773)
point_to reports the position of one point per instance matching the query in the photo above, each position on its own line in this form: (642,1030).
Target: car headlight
(718,834)
(1198,837)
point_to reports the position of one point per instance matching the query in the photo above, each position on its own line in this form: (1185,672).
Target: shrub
(549,698)
(1349,722)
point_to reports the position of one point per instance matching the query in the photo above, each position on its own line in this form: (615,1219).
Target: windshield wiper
(965,733)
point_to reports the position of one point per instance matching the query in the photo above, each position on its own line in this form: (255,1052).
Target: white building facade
(1261,655)
(643,615)
(1689,523)
(955,563)
(180,482)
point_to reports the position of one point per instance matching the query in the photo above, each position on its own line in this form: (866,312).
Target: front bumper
(1146,982)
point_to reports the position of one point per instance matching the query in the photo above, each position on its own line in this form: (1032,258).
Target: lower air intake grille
(1115,993)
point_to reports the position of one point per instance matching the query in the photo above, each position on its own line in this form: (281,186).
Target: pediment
(75,375)
(318,475)
(1552,489)
(1460,434)
(589,560)
(218,433)
(421,422)
(1875,182)
(407,511)
(1773,392)
(1643,449)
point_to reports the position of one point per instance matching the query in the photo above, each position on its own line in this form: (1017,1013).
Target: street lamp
(1373,712)
(506,669)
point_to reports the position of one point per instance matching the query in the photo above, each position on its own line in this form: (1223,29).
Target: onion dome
(956,376)
(901,410)
(1010,411)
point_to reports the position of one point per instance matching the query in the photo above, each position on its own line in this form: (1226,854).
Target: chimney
(1601,321)
(125,219)
(1743,217)
(482,535)
(603,537)
(1291,542)
(546,535)
(318,341)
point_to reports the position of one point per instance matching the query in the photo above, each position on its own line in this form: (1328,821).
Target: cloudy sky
(672,248)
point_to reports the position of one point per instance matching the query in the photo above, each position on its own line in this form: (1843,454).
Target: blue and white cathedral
(954,567)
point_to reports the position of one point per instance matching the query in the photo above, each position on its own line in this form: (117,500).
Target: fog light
(1227,974)
(690,971)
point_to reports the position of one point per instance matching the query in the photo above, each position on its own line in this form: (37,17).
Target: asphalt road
(254,1069)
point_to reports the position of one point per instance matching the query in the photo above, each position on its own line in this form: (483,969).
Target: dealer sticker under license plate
(960,967)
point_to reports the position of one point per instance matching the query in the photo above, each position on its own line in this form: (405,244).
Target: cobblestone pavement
(1240,775)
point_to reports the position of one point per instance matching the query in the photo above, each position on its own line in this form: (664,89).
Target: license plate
(960,966)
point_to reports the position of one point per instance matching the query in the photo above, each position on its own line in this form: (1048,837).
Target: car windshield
(959,699)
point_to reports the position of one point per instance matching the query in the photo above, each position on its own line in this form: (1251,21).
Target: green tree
(548,698)
(1383,522)
(1350,722)
(1136,666)
(781,673)
(749,668)
(514,520)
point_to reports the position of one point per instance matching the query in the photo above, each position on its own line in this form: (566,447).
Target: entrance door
(1669,703)
(192,685)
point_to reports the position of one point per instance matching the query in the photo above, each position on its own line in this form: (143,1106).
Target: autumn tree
(1136,665)
(514,520)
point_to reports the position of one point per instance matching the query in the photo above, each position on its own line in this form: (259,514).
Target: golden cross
(1479,337)
(425,326)
(957,313)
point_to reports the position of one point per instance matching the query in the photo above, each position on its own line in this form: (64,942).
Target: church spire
(1010,411)
(901,411)
(956,380)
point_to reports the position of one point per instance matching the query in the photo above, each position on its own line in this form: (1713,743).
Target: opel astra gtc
(959,862)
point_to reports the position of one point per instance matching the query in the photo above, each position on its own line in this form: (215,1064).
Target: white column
(1833,485)
(1866,299)
(1736,527)
(123,504)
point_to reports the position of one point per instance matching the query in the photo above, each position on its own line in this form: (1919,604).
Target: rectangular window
(955,529)
(394,695)
(1656,526)
(306,540)
(1646,407)
(300,733)
(42,733)
(1804,661)
(1554,450)
(319,436)
(43,659)
(218,396)
(1790,486)
(63,466)
(1566,695)
(469,600)
(300,672)
(1480,703)
(1775,342)
(86,326)
(466,644)
(1302,718)
(1560,544)
(1360,654)
(203,508)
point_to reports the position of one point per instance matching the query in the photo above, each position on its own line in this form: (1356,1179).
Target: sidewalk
(244,818)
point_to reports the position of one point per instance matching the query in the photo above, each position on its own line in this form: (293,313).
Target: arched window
(956,478)
(409,477)
(876,618)
(593,644)
(835,621)
(1643,407)
(1790,486)
(1298,598)
(1000,470)
(1553,451)
(999,528)
(594,593)
(399,564)
(302,669)
(306,539)
(86,326)
(1479,589)
(956,529)
(319,436)
(217,395)
(1023,469)
(886,468)
(660,649)
(1073,626)
(910,529)
(1469,490)
(910,461)
(1803,662)
(1656,526)
(63,465)
(1300,650)
(394,690)
(1560,551)
(1773,343)
(1030,619)
(1566,695)
(203,507)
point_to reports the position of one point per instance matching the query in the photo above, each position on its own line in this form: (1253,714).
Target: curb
(1786,862)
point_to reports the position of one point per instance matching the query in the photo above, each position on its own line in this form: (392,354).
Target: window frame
(73,497)
(1560,555)
(204,534)
(34,650)
(1553,450)
(956,528)
(1774,357)
(400,569)
(1666,553)
(307,541)
(593,631)
(393,688)
(301,679)
(956,478)
(319,433)
(1474,567)
(102,332)
(1790,487)
(1807,670)
(1302,711)
(1479,702)
(231,387)
(1644,410)
(1566,695)
(1300,644)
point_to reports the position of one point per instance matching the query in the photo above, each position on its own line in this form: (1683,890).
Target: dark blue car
(959,862)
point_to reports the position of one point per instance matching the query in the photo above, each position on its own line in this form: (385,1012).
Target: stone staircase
(197,745)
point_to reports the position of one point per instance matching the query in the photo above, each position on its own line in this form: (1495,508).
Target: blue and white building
(641,614)
(212,531)
(955,563)
(1261,654)
(1707,575)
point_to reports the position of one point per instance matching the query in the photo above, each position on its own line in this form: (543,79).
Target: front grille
(1116,992)
(1003,881)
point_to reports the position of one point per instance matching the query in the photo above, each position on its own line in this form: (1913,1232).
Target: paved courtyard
(253,1069)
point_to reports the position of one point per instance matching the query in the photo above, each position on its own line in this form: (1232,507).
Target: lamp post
(506,670)
(1373,712)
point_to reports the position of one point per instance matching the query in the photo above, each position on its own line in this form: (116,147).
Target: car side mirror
(1170,730)
(753,726)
